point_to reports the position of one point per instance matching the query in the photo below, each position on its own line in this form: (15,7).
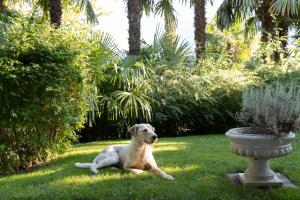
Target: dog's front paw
(168,177)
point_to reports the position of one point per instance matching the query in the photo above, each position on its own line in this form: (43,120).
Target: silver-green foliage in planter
(274,107)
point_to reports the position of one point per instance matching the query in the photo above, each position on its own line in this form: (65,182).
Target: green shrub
(165,89)
(123,99)
(201,99)
(44,91)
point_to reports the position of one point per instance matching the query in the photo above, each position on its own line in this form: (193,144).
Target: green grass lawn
(198,163)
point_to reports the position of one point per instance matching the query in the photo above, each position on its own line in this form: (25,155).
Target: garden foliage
(44,91)
(164,87)
(54,82)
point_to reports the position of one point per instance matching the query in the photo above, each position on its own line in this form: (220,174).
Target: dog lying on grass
(134,157)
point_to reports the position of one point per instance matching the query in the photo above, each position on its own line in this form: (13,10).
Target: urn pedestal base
(235,179)
(259,174)
(275,182)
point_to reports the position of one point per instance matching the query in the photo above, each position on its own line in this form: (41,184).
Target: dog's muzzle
(153,139)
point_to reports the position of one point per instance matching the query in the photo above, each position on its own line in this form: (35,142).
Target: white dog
(134,157)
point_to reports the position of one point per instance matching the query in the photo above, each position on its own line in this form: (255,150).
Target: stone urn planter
(259,145)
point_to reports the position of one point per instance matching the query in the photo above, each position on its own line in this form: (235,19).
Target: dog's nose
(154,137)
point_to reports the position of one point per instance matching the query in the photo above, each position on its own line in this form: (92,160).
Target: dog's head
(144,133)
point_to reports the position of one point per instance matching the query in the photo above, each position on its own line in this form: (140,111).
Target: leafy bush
(275,107)
(123,99)
(268,69)
(165,86)
(44,91)
(162,87)
(201,99)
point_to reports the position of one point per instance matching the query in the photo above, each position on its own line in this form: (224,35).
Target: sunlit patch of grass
(184,168)
(198,163)
(168,147)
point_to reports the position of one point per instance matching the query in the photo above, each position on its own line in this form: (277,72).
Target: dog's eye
(145,130)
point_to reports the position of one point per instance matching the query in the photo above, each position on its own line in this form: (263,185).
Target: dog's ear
(133,130)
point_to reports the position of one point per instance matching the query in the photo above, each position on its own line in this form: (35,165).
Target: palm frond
(148,6)
(38,4)
(105,49)
(108,105)
(285,7)
(166,50)
(105,40)
(134,104)
(166,8)
(87,7)
(234,11)
(131,74)
(252,26)
(174,51)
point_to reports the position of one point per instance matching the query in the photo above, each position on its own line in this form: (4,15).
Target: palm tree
(165,9)
(265,15)
(134,14)
(135,9)
(200,25)
(267,21)
(287,12)
(55,8)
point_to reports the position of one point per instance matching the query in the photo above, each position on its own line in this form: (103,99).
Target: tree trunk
(134,19)
(266,19)
(200,25)
(170,23)
(268,24)
(170,27)
(55,12)
(283,33)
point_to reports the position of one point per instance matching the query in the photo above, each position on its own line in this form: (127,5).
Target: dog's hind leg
(107,159)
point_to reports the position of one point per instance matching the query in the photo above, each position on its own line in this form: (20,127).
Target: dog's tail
(83,165)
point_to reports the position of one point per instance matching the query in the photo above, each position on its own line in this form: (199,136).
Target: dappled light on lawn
(180,169)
